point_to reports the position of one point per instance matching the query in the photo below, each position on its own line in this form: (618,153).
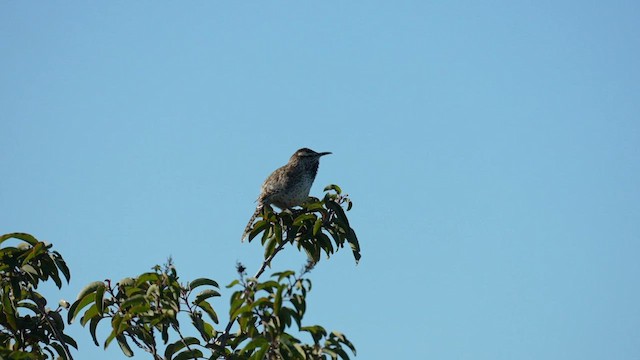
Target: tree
(148,310)
(28,328)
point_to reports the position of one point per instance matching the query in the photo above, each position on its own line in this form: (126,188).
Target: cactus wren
(289,185)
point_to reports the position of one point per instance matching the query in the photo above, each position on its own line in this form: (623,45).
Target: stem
(265,263)
(54,329)
(182,338)
(57,336)
(150,348)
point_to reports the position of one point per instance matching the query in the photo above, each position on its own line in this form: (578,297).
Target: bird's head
(306,153)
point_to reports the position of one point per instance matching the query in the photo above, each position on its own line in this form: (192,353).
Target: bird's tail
(247,229)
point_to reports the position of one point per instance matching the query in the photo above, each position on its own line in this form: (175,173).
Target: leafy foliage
(312,228)
(148,305)
(28,328)
(265,317)
(265,311)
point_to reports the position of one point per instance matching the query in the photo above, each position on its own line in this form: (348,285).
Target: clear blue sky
(492,150)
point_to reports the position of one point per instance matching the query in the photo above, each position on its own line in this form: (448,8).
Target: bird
(289,185)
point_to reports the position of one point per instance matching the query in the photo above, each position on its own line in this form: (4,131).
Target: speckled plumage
(289,185)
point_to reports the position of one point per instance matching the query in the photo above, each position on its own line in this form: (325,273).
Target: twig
(150,348)
(54,330)
(265,263)
(182,339)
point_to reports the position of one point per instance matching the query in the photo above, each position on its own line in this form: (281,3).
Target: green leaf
(164,332)
(22,236)
(336,237)
(342,353)
(202,281)
(126,282)
(314,206)
(325,243)
(69,340)
(343,339)
(100,299)
(243,309)
(31,270)
(119,324)
(205,329)
(283,274)
(88,298)
(270,247)
(60,350)
(312,251)
(299,303)
(285,315)
(257,229)
(91,313)
(254,343)
(349,205)
(206,307)
(110,338)
(293,314)
(337,209)
(278,232)
(260,354)
(277,302)
(149,277)
(10,312)
(333,187)
(316,331)
(28,305)
(153,290)
(317,225)
(236,301)
(330,352)
(262,301)
(268,285)
(141,310)
(205,295)
(38,299)
(303,218)
(92,329)
(36,250)
(134,300)
(92,287)
(355,246)
(16,288)
(49,268)
(179,345)
(126,349)
(299,350)
(189,354)
(62,265)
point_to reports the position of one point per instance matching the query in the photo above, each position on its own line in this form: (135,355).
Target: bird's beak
(323,153)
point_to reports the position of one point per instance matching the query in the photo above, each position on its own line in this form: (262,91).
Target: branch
(151,348)
(265,263)
(54,329)
(182,338)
